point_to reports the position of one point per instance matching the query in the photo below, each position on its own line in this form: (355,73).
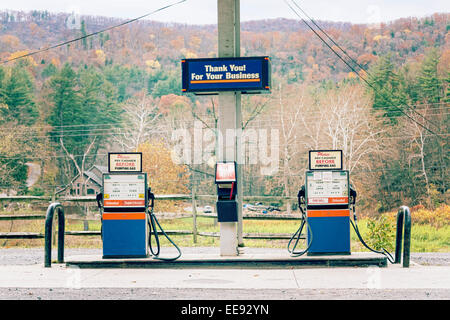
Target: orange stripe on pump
(123,216)
(329,213)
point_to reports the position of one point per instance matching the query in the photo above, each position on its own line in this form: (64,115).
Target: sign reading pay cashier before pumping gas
(125,162)
(325,160)
(246,74)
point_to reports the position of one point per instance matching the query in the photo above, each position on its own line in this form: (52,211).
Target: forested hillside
(120,90)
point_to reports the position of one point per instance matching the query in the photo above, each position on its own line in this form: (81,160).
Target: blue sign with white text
(248,74)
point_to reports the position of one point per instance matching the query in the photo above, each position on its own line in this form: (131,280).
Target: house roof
(91,175)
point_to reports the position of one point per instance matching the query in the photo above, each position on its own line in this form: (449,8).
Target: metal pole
(194,210)
(399,235)
(230,116)
(407,237)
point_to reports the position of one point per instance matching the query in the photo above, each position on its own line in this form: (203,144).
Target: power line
(355,62)
(353,69)
(93,34)
(345,52)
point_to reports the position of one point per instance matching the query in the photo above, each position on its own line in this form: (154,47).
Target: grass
(425,237)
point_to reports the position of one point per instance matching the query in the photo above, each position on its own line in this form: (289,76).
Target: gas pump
(328,212)
(226,192)
(325,201)
(124,218)
(126,205)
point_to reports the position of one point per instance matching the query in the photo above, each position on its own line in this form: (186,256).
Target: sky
(205,11)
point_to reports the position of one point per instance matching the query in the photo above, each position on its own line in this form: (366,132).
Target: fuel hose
(297,236)
(152,223)
(383,250)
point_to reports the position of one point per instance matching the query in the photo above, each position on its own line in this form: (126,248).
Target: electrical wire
(345,52)
(355,62)
(357,73)
(92,34)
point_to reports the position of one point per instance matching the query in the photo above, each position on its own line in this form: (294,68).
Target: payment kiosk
(226,192)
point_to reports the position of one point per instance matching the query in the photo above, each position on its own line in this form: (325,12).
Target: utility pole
(230,119)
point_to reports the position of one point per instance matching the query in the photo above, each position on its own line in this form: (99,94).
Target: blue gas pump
(328,212)
(126,205)
(124,216)
(326,201)
(325,206)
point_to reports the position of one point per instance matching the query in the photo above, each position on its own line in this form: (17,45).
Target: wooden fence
(194,232)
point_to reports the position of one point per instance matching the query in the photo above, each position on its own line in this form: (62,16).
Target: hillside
(290,43)
(64,109)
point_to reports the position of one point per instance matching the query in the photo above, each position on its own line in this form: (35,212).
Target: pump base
(251,259)
(125,257)
(328,253)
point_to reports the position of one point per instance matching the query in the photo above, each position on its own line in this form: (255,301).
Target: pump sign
(125,162)
(226,74)
(325,160)
(124,190)
(327,187)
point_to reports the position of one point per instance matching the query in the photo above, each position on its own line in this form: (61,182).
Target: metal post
(48,233)
(194,213)
(399,236)
(403,223)
(230,116)
(407,238)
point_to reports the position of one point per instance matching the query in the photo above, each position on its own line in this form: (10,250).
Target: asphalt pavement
(23,276)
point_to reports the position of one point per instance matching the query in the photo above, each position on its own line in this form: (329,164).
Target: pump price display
(327,187)
(124,190)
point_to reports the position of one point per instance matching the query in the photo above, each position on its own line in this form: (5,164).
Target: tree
(84,110)
(164,176)
(16,92)
(431,87)
(138,121)
(83,34)
(385,85)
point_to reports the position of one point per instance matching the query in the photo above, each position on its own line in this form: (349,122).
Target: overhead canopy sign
(125,162)
(247,74)
(325,159)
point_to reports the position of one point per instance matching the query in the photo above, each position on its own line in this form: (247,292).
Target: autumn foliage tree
(164,176)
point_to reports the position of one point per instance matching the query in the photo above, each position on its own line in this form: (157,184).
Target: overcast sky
(205,11)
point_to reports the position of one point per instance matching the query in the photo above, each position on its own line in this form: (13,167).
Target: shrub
(381,233)
(419,215)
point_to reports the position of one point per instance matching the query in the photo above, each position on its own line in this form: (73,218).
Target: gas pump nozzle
(353,195)
(99,198)
(151,196)
(301,199)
